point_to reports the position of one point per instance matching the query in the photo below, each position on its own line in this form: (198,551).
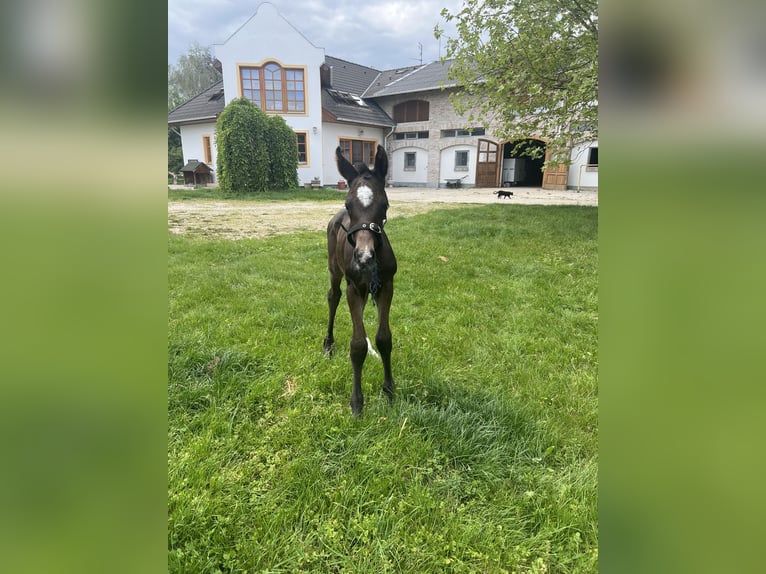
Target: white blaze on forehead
(364,194)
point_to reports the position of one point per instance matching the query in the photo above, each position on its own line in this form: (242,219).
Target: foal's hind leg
(333,298)
(383,336)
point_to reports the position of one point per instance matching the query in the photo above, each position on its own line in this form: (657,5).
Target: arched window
(411,111)
(274,88)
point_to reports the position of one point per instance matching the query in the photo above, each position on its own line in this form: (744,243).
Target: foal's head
(366,204)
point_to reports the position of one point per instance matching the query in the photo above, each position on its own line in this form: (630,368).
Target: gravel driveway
(243,220)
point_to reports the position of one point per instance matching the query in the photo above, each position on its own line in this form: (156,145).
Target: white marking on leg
(370,350)
(365,195)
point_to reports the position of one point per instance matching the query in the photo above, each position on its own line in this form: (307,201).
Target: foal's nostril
(364,255)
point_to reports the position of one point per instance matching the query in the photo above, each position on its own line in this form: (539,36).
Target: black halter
(371,226)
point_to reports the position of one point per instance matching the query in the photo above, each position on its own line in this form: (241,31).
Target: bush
(283,152)
(242,133)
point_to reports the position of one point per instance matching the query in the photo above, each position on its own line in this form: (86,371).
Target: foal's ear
(381,163)
(347,170)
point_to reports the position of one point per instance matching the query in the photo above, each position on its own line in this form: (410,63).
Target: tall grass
(485,462)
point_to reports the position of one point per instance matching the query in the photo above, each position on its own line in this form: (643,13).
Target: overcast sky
(377,33)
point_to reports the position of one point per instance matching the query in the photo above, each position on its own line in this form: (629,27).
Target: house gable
(268,37)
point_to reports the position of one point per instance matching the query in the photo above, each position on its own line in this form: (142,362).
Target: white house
(330,102)
(583,171)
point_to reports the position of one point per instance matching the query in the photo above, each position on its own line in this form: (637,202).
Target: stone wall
(442,116)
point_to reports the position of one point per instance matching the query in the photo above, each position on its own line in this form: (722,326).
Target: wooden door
(555,177)
(487,164)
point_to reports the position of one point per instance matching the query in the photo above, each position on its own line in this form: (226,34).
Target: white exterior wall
(400,177)
(331,136)
(447,163)
(586,176)
(267,37)
(191,138)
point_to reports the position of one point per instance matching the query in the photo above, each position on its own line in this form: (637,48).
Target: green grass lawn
(486,461)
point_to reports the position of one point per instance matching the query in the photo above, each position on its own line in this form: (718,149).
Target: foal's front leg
(358,347)
(333,298)
(383,336)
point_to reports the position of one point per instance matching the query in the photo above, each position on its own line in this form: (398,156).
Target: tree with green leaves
(175,151)
(529,68)
(193,72)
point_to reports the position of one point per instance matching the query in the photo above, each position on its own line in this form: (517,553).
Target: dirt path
(243,220)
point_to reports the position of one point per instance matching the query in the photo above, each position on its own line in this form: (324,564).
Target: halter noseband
(371,226)
(377,229)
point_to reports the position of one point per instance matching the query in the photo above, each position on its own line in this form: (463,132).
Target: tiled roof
(388,76)
(354,110)
(423,78)
(350,77)
(348,99)
(204,106)
(343,99)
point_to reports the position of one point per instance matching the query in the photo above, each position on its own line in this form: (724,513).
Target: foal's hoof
(328,347)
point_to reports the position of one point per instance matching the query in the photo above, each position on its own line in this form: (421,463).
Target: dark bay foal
(358,248)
